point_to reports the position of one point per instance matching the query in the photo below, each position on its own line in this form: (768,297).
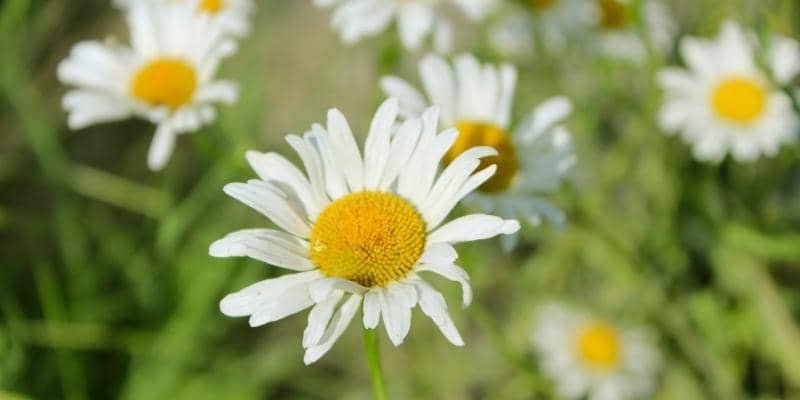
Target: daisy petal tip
(510,226)
(227,306)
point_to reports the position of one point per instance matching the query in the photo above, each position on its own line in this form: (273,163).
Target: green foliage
(107,289)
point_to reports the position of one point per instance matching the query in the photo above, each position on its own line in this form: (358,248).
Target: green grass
(107,290)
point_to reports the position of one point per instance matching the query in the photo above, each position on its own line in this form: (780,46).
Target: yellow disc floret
(211,6)
(167,82)
(739,100)
(598,346)
(372,238)
(613,14)
(471,134)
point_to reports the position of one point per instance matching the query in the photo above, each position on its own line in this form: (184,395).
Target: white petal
(412,104)
(784,57)
(86,107)
(454,273)
(507,83)
(443,196)
(377,145)
(246,301)
(401,150)
(415,21)
(313,165)
(273,167)
(161,147)
(322,289)
(270,202)
(318,319)
(341,319)
(345,150)
(434,306)
(270,246)
(372,309)
(439,83)
(219,91)
(473,227)
(416,180)
(396,316)
(292,301)
(335,184)
(438,253)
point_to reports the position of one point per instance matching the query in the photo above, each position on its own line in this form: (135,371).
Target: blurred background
(107,289)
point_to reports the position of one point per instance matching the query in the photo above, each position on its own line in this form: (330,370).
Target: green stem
(374,362)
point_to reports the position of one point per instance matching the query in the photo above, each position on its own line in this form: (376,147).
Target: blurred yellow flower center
(471,134)
(739,100)
(167,82)
(541,5)
(211,6)
(372,238)
(613,14)
(598,346)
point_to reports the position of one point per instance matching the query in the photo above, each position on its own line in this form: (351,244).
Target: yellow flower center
(541,5)
(372,238)
(167,82)
(211,6)
(471,134)
(739,100)
(613,14)
(598,346)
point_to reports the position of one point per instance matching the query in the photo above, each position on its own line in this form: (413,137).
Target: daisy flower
(616,26)
(165,76)
(593,359)
(477,100)
(725,102)
(416,19)
(232,15)
(359,231)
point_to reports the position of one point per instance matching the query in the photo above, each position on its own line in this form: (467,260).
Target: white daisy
(359,230)
(477,99)
(616,26)
(725,102)
(232,15)
(416,19)
(593,359)
(166,76)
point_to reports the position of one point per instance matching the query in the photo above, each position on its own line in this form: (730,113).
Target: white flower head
(593,359)
(233,16)
(614,23)
(165,76)
(359,229)
(477,100)
(725,102)
(416,19)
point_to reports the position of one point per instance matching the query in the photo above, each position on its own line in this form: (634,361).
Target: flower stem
(374,362)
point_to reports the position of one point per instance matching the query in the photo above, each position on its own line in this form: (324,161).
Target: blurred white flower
(416,19)
(232,15)
(593,359)
(359,230)
(617,32)
(477,99)
(165,76)
(724,102)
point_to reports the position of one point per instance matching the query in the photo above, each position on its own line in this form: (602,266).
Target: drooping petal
(339,322)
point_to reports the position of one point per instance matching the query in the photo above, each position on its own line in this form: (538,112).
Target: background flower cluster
(692,245)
